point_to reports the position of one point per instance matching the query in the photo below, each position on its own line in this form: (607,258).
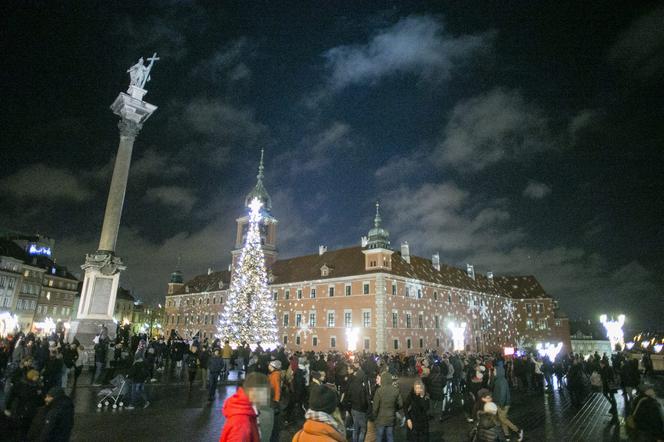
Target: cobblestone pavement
(177,414)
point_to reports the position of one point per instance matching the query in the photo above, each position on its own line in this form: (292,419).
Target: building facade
(371,297)
(32,286)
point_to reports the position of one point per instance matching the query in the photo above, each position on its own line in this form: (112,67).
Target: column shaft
(116,194)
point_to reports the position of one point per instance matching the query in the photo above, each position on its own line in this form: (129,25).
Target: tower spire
(259,190)
(260,175)
(378,237)
(377,219)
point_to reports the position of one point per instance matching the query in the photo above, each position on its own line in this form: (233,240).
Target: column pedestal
(100,287)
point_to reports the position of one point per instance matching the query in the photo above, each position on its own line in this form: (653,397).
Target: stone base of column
(85,331)
(100,286)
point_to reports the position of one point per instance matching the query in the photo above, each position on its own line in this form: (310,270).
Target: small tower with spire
(268,225)
(176,283)
(377,252)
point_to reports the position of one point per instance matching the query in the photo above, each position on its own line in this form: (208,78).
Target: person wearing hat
(23,400)
(483,396)
(646,418)
(138,374)
(240,410)
(53,422)
(320,425)
(387,401)
(488,429)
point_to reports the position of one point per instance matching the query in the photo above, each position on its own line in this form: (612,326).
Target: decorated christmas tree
(249,311)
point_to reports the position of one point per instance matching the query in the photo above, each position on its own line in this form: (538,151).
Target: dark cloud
(640,49)
(536,190)
(40,182)
(179,198)
(497,126)
(418,45)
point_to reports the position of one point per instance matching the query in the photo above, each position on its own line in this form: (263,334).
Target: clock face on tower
(263,231)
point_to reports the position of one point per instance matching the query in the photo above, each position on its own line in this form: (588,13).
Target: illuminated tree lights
(249,313)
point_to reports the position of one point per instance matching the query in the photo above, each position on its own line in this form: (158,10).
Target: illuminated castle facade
(372,297)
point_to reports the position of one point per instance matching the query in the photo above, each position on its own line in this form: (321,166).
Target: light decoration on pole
(614,330)
(47,326)
(549,350)
(352,335)
(657,347)
(8,323)
(458,335)
(629,345)
(249,312)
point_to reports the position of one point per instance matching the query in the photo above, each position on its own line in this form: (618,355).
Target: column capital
(129,128)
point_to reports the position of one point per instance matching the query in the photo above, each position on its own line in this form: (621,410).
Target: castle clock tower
(268,225)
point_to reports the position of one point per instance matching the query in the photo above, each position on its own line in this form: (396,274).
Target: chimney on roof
(364,241)
(435,261)
(470,270)
(322,249)
(405,251)
(489,276)
(209,270)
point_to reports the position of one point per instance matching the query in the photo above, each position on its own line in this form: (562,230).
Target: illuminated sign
(508,351)
(36,249)
(458,337)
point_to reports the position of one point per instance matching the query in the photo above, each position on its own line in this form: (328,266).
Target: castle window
(286,320)
(348,289)
(312,293)
(314,341)
(287,294)
(299,293)
(333,342)
(330,291)
(366,288)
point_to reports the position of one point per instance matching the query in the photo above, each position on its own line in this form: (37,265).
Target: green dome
(378,237)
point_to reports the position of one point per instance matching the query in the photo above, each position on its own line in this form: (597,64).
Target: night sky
(522,137)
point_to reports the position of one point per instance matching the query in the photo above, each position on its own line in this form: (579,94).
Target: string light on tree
(249,312)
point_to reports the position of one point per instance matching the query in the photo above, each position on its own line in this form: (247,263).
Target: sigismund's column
(103,267)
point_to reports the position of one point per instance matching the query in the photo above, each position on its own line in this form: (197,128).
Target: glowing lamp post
(351,338)
(657,347)
(458,336)
(8,323)
(614,330)
(549,350)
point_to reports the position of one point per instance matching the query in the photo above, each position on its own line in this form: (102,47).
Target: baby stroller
(115,395)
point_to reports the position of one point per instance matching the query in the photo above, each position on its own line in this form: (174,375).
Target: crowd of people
(333,396)
(357,396)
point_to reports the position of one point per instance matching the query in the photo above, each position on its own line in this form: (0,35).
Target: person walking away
(437,383)
(387,401)
(488,429)
(69,356)
(359,398)
(23,401)
(80,363)
(240,410)
(320,424)
(53,368)
(646,418)
(54,421)
(501,396)
(138,373)
(192,365)
(227,354)
(215,365)
(203,361)
(417,413)
(100,360)
(630,377)
(274,377)
(608,388)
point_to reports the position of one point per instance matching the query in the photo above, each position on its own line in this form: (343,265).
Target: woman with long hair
(417,413)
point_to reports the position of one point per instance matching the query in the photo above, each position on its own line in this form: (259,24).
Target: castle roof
(351,262)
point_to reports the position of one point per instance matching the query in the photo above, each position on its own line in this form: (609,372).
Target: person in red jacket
(240,410)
